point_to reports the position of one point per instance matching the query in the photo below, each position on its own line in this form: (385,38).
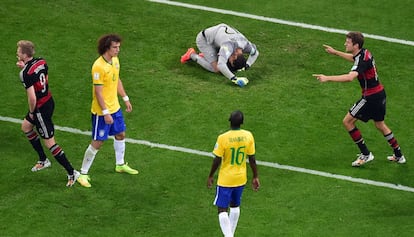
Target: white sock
(88,158)
(234,217)
(225,224)
(119,147)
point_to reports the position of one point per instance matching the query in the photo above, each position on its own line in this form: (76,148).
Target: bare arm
(101,101)
(125,98)
(31,99)
(346,56)
(214,166)
(338,78)
(253,166)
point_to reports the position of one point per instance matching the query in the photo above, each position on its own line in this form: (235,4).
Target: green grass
(296,121)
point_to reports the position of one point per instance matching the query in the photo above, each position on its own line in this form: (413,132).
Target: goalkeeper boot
(399,160)
(362,159)
(187,56)
(125,169)
(72,178)
(41,165)
(83,179)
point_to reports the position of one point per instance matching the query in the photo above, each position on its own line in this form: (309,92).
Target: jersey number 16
(237,155)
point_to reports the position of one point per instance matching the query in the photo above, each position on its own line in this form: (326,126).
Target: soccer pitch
(308,185)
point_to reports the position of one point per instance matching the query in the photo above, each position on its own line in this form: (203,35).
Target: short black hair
(239,63)
(236,118)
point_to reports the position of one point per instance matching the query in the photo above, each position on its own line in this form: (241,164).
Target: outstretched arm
(346,56)
(338,78)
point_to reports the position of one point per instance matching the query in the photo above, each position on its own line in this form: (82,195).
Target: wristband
(125,98)
(105,111)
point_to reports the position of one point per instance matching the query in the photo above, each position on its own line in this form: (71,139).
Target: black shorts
(42,119)
(370,107)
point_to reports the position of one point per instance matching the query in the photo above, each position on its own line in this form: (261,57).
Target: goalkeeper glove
(240,81)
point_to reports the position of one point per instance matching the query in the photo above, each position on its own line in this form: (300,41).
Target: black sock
(394,144)
(60,156)
(357,137)
(36,144)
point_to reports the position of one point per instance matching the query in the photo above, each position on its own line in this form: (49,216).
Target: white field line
(279,21)
(209,154)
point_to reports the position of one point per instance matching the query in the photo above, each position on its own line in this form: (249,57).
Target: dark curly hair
(104,42)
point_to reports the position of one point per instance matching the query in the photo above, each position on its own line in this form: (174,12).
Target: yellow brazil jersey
(107,75)
(233,147)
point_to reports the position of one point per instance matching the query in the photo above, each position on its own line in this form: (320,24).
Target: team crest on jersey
(96,76)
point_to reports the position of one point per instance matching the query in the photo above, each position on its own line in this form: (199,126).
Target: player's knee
(120,136)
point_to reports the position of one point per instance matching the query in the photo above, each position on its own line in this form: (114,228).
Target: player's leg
(355,133)
(392,141)
(209,58)
(234,212)
(100,131)
(358,111)
(90,154)
(225,224)
(59,154)
(46,129)
(61,158)
(45,125)
(34,139)
(378,114)
(118,130)
(222,201)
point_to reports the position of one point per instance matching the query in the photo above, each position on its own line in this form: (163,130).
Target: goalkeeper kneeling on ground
(222,49)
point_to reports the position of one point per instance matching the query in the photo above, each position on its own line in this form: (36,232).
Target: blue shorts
(228,196)
(101,130)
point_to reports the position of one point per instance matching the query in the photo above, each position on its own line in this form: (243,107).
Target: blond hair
(27,47)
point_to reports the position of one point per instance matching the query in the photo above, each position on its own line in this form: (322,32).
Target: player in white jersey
(222,49)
